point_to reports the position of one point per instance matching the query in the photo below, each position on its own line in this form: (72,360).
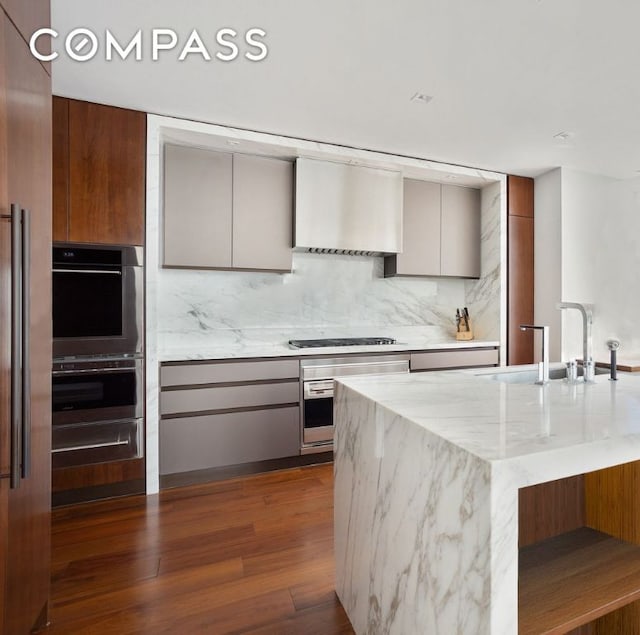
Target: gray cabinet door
(197,443)
(197,207)
(421,230)
(460,232)
(262,213)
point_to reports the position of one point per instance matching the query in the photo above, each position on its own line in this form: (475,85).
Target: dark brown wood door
(520,269)
(520,289)
(107,155)
(28,170)
(28,16)
(5,317)
(60,154)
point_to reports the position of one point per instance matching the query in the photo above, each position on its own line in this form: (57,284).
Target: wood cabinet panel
(197,207)
(520,196)
(60,154)
(29,16)
(550,509)
(262,213)
(460,232)
(520,289)
(28,173)
(70,478)
(107,150)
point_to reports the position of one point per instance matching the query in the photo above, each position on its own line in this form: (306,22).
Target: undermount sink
(531,376)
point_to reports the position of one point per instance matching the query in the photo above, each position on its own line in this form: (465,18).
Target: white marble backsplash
(324,296)
(329,296)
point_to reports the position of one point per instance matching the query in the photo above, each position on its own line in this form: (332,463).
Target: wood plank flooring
(249,555)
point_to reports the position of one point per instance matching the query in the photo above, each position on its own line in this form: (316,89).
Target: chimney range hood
(347,209)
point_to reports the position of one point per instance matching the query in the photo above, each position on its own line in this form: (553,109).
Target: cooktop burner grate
(341,341)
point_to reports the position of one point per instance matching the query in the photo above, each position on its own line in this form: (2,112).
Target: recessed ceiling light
(422,98)
(563,136)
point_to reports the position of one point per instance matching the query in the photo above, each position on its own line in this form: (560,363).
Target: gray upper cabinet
(421,232)
(262,213)
(227,211)
(197,207)
(460,232)
(441,232)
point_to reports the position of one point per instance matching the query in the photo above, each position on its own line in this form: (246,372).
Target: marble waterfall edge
(404,566)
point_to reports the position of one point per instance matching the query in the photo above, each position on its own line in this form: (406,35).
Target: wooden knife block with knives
(464,331)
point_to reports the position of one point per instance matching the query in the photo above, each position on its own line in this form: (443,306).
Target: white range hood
(343,208)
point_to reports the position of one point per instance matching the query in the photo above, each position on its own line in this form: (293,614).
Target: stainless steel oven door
(97,300)
(317,416)
(87,443)
(98,390)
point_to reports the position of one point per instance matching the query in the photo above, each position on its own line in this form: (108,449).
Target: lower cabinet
(228,413)
(449,359)
(201,442)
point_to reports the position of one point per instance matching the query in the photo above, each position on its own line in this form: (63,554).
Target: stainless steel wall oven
(97,300)
(97,411)
(317,392)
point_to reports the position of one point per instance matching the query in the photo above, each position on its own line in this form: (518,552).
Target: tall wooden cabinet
(25,429)
(520,269)
(99,158)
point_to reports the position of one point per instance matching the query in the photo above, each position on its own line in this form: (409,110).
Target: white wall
(548,257)
(599,256)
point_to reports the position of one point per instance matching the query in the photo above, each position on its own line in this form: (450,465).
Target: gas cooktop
(341,341)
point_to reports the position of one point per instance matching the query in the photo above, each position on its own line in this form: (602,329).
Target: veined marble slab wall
(329,295)
(324,296)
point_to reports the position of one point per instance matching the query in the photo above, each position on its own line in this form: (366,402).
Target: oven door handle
(92,446)
(94,371)
(105,272)
(318,390)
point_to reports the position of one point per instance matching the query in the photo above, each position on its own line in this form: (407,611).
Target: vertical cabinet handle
(26,344)
(16,344)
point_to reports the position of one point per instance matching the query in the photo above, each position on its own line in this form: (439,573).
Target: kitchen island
(429,472)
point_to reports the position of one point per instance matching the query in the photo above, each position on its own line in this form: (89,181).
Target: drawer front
(454,359)
(223,397)
(197,443)
(84,444)
(189,374)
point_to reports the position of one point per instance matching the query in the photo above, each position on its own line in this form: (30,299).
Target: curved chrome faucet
(543,366)
(587,343)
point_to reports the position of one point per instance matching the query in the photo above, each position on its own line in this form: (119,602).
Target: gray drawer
(223,397)
(196,443)
(462,358)
(219,372)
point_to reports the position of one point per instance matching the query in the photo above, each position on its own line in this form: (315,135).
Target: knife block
(465,335)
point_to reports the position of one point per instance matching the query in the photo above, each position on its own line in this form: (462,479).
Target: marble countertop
(540,432)
(282,349)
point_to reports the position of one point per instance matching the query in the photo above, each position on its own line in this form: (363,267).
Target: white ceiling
(505,75)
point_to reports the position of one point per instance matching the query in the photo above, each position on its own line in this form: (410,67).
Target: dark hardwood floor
(249,555)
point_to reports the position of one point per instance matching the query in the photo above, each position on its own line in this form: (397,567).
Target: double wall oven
(97,385)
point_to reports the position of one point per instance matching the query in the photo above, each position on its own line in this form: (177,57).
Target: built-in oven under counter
(97,410)
(317,386)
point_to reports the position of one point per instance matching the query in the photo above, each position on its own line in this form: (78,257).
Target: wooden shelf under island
(572,579)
